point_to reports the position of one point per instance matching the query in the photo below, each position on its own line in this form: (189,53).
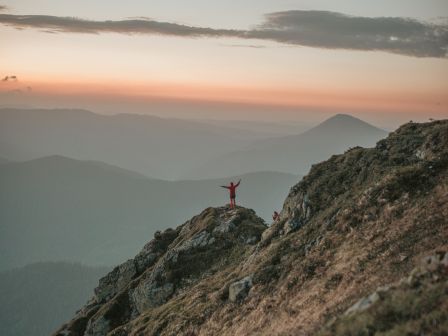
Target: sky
(383,61)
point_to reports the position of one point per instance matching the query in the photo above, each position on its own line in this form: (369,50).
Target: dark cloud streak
(134,26)
(338,31)
(317,29)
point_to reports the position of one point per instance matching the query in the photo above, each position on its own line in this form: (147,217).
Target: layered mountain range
(175,149)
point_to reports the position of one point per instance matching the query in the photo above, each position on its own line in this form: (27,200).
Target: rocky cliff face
(171,275)
(358,221)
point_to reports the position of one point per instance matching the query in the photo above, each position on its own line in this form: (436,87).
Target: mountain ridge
(357,221)
(343,123)
(153,146)
(169,149)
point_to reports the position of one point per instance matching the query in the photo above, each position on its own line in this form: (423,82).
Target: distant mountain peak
(341,122)
(337,118)
(344,118)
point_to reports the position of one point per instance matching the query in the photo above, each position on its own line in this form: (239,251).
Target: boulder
(239,289)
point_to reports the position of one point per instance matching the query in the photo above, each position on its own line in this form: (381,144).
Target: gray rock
(126,272)
(225,226)
(363,304)
(122,275)
(293,224)
(116,280)
(239,289)
(149,295)
(305,203)
(297,210)
(144,259)
(420,154)
(203,238)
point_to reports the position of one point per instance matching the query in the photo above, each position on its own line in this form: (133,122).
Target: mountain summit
(348,232)
(295,153)
(344,122)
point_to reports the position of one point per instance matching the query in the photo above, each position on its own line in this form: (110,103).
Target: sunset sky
(384,61)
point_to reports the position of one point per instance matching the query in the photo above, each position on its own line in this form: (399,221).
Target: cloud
(3,8)
(132,26)
(338,31)
(11,85)
(10,79)
(319,29)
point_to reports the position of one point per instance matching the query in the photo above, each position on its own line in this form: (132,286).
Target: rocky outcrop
(355,224)
(166,267)
(239,289)
(122,275)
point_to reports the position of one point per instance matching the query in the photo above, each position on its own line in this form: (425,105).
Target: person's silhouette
(232,190)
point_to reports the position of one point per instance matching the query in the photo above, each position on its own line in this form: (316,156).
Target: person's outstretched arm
(236,185)
(225,187)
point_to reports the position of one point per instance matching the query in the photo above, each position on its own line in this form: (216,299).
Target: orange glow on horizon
(325,98)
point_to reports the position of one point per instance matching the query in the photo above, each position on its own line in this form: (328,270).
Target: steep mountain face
(172,272)
(294,153)
(357,221)
(56,208)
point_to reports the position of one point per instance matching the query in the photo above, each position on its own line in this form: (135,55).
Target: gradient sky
(247,73)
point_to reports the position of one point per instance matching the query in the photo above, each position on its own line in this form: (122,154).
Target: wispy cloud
(10,85)
(132,26)
(319,29)
(3,8)
(10,79)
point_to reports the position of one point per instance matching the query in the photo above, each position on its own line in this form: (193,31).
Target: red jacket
(232,189)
